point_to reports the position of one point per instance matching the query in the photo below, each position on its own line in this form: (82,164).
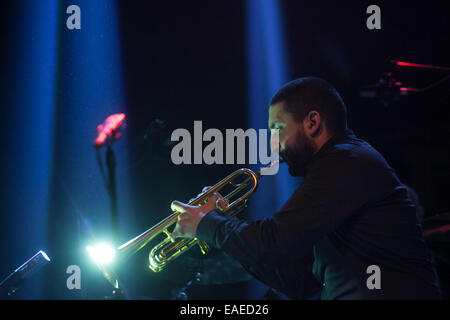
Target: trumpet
(242,182)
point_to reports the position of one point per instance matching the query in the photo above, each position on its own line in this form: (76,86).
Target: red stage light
(417,65)
(109,131)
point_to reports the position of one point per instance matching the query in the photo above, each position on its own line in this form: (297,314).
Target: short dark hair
(305,94)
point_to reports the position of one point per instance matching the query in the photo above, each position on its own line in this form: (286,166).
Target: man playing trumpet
(349,217)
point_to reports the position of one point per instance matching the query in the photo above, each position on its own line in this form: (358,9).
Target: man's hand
(190,216)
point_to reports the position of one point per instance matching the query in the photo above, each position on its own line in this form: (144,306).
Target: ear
(313,123)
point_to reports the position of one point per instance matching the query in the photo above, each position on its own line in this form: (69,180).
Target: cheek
(292,139)
(275,142)
(283,141)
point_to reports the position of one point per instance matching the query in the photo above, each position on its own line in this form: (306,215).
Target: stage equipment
(12,283)
(109,132)
(388,89)
(216,268)
(404,64)
(180,293)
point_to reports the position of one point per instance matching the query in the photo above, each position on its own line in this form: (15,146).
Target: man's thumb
(175,234)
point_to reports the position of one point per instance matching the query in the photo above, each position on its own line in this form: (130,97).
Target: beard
(298,156)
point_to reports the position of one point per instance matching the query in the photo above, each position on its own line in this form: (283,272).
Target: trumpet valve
(204,247)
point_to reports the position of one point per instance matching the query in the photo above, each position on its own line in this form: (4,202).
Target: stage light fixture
(102,253)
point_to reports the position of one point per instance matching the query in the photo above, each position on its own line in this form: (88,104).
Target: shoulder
(353,163)
(354,154)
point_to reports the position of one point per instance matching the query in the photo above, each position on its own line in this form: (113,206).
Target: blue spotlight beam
(90,88)
(267,72)
(30,67)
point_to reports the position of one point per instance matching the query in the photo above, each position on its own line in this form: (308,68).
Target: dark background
(185,61)
(199,72)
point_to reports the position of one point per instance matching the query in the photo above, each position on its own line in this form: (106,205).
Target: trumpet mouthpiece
(267,170)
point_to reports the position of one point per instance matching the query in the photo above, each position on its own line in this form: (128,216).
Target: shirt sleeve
(335,188)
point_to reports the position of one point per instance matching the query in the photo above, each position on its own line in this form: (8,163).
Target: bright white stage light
(102,253)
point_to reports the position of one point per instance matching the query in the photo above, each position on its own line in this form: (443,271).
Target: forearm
(251,243)
(294,279)
(286,237)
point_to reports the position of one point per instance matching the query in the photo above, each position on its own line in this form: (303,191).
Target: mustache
(282,157)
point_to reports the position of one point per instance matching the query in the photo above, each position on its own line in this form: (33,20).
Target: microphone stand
(112,190)
(107,133)
(118,292)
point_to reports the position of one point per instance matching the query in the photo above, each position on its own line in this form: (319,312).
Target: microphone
(110,130)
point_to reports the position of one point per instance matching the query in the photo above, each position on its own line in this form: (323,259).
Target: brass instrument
(169,249)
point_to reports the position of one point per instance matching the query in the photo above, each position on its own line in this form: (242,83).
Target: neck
(320,140)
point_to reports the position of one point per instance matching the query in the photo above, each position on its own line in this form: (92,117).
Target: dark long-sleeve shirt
(349,213)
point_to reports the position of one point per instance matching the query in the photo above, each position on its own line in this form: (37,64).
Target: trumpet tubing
(168,249)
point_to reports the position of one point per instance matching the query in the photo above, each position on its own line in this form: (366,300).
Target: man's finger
(217,197)
(174,235)
(183,216)
(221,204)
(203,191)
(178,206)
(213,197)
(178,232)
